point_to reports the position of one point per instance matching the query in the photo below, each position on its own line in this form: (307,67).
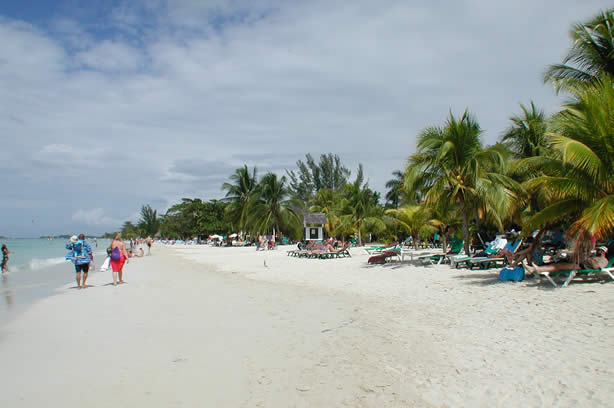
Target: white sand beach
(232,327)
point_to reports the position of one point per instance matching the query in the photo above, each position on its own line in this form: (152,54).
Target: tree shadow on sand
(486,278)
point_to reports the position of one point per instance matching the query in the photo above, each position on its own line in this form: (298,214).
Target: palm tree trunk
(444,241)
(359,237)
(465,218)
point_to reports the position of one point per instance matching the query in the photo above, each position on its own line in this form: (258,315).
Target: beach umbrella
(232,236)
(215,236)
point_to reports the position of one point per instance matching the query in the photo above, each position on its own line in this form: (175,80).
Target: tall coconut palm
(271,211)
(450,164)
(239,194)
(578,178)
(591,54)
(526,136)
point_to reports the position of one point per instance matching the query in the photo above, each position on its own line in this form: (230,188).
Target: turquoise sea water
(34,254)
(37,267)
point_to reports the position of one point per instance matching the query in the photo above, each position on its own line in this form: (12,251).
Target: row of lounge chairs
(458,260)
(317,250)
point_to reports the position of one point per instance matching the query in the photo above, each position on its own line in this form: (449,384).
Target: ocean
(37,268)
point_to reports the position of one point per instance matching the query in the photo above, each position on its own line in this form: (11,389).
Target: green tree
(395,190)
(451,164)
(271,210)
(327,202)
(578,177)
(214,218)
(129,230)
(526,136)
(591,54)
(359,208)
(239,195)
(412,219)
(183,220)
(311,177)
(149,222)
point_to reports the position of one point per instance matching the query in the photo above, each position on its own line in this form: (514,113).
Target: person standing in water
(81,255)
(5,258)
(119,256)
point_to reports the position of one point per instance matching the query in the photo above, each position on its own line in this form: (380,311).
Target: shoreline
(215,326)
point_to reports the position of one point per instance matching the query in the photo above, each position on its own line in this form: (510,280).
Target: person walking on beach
(81,255)
(5,258)
(119,257)
(148,241)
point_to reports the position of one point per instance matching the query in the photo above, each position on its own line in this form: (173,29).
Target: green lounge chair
(571,274)
(493,262)
(456,245)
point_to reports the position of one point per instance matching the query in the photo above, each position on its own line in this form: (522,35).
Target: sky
(110,105)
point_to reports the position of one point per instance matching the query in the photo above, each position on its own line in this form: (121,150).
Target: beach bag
(78,250)
(515,274)
(105,265)
(115,254)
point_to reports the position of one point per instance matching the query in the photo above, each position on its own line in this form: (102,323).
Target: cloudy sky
(106,106)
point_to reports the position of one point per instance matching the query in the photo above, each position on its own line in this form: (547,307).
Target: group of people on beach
(265,242)
(82,257)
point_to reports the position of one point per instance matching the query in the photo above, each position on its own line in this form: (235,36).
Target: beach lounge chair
(342,252)
(384,257)
(456,245)
(379,249)
(571,274)
(315,252)
(493,262)
(298,252)
(457,261)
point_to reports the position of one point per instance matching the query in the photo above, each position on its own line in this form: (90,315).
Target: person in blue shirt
(81,255)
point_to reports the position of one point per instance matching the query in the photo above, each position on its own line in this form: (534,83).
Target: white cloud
(112,56)
(95,217)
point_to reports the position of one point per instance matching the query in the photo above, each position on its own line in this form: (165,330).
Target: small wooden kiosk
(314,226)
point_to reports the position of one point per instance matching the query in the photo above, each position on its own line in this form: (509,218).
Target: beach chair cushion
(515,274)
(382,258)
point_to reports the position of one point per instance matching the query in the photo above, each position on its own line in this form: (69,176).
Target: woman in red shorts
(118,264)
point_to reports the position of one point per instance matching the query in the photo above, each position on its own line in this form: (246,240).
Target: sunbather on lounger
(592,262)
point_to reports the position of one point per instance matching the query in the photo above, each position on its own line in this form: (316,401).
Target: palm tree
(526,136)
(451,164)
(395,187)
(327,201)
(591,54)
(578,178)
(239,195)
(413,219)
(272,210)
(359,208)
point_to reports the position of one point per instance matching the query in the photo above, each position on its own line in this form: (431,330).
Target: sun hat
(74,238)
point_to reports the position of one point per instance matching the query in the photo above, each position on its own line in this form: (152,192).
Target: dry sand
(232,327)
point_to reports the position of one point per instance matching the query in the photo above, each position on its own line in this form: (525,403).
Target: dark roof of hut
(314,218)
